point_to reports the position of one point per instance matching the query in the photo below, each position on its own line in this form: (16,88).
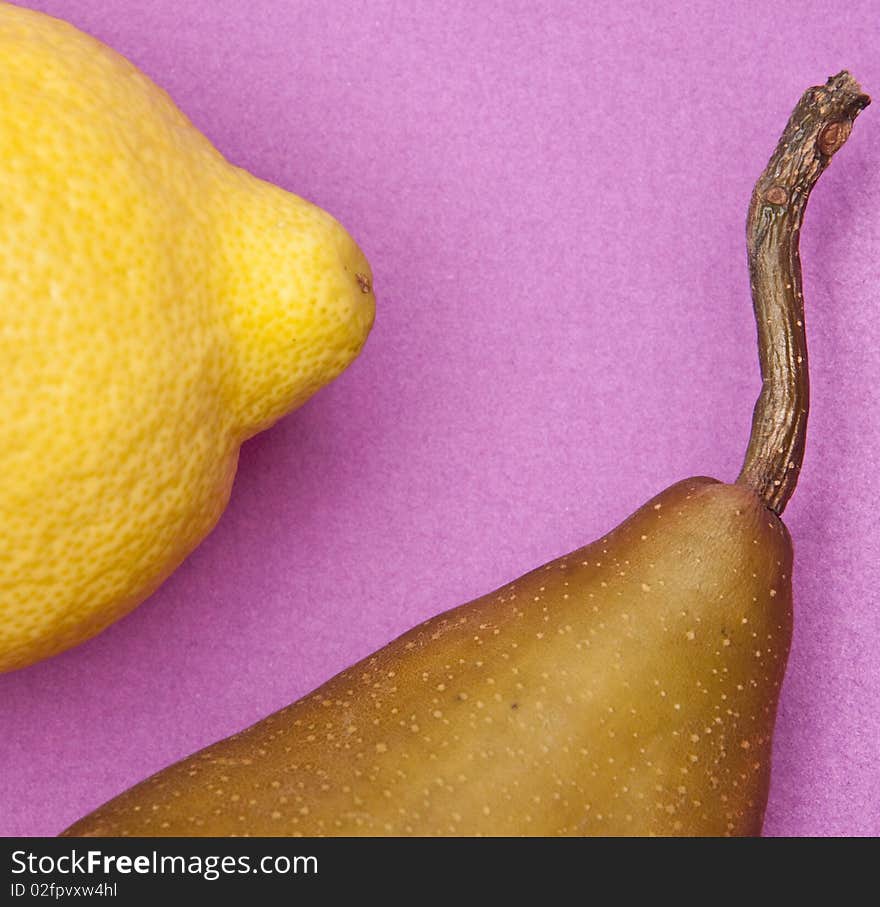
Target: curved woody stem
(817,128)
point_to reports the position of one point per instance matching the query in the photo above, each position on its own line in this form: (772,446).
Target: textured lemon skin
(157,307)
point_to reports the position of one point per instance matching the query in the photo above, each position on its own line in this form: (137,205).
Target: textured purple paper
(552,196)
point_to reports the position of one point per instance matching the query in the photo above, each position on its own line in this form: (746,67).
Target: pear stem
(817,128)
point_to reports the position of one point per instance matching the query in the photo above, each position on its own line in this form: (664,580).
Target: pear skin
(629,687)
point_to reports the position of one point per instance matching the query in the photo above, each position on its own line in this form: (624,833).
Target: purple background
(552,196)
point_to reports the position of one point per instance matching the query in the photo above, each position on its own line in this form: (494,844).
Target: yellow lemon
(157,307)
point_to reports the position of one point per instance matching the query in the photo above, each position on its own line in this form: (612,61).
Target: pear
(627,688)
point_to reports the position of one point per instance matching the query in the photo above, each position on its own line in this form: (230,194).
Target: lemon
(158,306)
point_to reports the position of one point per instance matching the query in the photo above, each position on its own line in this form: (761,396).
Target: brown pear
(628,688)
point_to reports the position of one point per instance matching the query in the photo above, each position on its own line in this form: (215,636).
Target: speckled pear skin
(628,688)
